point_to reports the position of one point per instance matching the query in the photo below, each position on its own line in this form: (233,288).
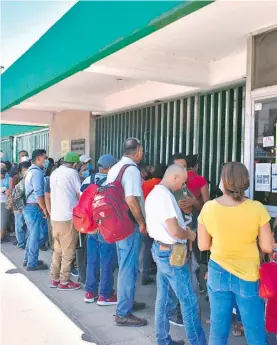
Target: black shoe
(43,247)
(39,267)
(147,281)
(40,262)
(15,243)
(138,306)
(179,342)
(130,321)
(176,321)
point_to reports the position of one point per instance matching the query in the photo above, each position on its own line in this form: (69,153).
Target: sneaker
(69,286)
(74,272)
(176,321)
(130,321)
(39,267)
(138,306)
(107,301)
(54,283)
(40,262)
(15,243)
(90,297)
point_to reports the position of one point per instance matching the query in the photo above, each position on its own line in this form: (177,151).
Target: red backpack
(82,213)
(111,212)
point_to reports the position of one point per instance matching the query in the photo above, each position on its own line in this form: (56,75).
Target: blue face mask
(90,167)
(46,164)
(85,173)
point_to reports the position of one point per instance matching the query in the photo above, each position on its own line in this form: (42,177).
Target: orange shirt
(149,185)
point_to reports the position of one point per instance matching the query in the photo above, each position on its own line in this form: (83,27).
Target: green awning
(12,130)
(88,32)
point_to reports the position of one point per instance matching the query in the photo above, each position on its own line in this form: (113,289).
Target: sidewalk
(97,323)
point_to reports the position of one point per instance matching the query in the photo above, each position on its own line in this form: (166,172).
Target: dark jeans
(100,257)
(145,257)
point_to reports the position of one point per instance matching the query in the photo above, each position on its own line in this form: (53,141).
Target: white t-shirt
(64,185)
(161,205)
(131,180)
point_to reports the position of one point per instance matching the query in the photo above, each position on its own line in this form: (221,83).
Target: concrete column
(70,125)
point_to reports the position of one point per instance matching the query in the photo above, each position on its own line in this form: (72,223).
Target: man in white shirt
(128,249)
(65,191)
(166,225)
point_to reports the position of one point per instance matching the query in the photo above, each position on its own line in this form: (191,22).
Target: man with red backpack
(128,248)
(101,256)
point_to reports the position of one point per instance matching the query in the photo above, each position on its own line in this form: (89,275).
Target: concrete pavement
(95,323)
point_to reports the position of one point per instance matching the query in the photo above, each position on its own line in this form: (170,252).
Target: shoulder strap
(92,178)
(29,194)
(122,171)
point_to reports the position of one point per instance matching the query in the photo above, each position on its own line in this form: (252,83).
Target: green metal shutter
(209,124)
(32,141)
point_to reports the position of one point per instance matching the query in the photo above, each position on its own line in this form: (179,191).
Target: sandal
(238,330)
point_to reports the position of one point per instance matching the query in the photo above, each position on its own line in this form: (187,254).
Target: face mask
(46,164)
(220,186)
(90,166)
(85,173)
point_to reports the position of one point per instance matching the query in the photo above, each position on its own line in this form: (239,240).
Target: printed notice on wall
(274,178)
(64,147)
(262,177)
(268,141)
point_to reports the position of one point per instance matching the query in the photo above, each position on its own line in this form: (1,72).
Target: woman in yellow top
(230,227)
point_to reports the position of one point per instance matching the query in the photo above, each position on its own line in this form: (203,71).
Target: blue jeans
(177,279)
(225,290)
(34,221)
(44,231)
(100,258)
(128,261)
(20,229)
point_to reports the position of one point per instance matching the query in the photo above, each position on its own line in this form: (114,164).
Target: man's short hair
(38,153)
(176,156)
(131,146)
(23,165)
(192,161)
(23,151)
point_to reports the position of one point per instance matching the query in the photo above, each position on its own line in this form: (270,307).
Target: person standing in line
(5,214)
(65,192)
(100,254)
(145,250)
(229,226)
(166,225)
(187,203)
(35,210)
(128,249)
(20,225)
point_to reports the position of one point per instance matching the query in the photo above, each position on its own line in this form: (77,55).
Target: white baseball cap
(85,158)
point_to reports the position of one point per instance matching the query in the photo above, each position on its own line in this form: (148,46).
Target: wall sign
(262,177)
(78,146)
(268,141)
(64,147)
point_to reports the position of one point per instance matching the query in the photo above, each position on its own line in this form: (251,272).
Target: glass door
(265,157)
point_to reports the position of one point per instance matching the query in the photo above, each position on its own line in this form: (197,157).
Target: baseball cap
(71,157)
(85,158)
(107,161)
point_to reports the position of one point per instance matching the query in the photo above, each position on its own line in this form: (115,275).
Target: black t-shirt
(14,171)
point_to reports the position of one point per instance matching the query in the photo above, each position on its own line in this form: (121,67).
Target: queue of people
(174,221)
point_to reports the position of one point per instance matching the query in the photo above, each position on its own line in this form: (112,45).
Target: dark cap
(38,153)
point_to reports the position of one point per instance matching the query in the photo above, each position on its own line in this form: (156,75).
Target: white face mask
(220,185)
(24,159)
